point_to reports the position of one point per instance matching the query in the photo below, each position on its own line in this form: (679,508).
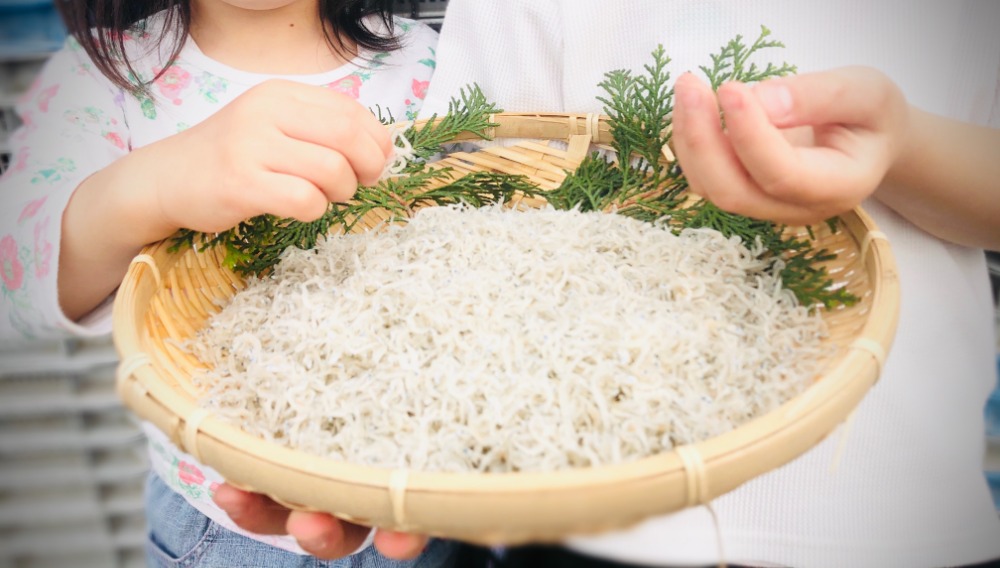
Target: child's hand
(321,535)
(282,148)
(762,165)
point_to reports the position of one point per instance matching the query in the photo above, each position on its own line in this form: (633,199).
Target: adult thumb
(852,96)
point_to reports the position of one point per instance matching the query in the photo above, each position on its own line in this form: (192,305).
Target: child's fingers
(399,546)
(337,121)
(337,104)
(320,116)
(327,169)
(325,536)
(286,195)
(251,511)
(362,140)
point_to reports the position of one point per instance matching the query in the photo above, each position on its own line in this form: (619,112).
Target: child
(197,114)
(909,488)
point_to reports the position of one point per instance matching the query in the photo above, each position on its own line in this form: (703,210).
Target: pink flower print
(45,96)
(420,88)
(349,85)
(43,248)
(30,92)
(31,209)
(19,164)
(27,127)
(11,269)
(173,82)
(123,36)
(213,488)
(115,139)
(190,474)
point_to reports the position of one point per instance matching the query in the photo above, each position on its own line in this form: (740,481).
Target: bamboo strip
(167,296)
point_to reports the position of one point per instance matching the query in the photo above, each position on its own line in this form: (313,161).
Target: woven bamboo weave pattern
(167,296)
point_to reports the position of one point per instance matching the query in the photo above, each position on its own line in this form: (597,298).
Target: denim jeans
(181,537)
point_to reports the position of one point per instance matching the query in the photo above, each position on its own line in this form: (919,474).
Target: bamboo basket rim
(699,469)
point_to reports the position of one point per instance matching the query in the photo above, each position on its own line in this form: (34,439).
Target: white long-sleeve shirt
(77,122)
(909,489)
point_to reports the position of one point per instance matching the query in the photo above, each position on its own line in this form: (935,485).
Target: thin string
(697,491)
(126,369)
(594,127)
(397,495)
(875,349)
(867,242)
(151,263)
(877,352)
(694,470)
(191,426)
(845,431)
(491,132)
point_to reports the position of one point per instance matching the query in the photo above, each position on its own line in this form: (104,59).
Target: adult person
(912,137)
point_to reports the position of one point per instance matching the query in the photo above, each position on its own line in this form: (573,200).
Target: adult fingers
(251,511)
(855,96)
(807,176)
(325,536)
(398,545)
(842,167)
(711,166)
(766,155)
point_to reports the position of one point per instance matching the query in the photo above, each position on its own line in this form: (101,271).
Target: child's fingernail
(775,98)
(233,511)
(316,544)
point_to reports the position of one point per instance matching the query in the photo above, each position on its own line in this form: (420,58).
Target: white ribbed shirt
(908,490)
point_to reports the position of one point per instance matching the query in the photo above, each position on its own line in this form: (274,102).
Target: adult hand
(321,535)
(795,150)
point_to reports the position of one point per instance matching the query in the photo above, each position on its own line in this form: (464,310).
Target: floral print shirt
(76,122)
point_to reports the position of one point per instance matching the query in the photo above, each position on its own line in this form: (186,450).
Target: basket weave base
(166,297)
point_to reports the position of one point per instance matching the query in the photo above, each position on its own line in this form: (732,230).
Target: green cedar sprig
(731,63)
(642,186)
(638,183)
(255,245)
(470,112)
(640,107)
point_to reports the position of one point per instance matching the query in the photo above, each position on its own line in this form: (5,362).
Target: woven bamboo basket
(167,296)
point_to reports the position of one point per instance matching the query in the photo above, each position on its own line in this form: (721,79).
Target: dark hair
(100,27)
